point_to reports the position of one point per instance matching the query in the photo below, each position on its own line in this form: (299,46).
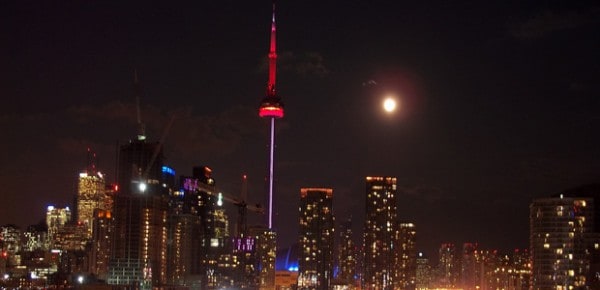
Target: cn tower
(271,107)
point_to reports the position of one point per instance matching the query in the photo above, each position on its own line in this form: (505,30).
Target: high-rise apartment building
(448,266)
(562,241)
(470,267)
(316,237)
(379,233)
(423,272)
(347,255)
(405,254)
(266,240)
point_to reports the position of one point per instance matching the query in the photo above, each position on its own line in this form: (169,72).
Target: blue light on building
(168,170)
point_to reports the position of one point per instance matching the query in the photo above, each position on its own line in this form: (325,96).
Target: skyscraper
(140,216)
(379,233)
(91,195)
(562,240)
(101,243)
(316,239)
(56,218)
(405,253)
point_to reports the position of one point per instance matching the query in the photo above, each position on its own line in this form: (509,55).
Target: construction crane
(240,202)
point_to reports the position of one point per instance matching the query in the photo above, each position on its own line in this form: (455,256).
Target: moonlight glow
(389,105)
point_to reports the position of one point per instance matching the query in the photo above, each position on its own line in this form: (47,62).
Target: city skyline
(498,104)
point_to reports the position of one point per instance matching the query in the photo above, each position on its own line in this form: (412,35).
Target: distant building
(266,241)
(522,269)
(423,273)
(185,230)
(10,245)
(563,241)
(36,238)
(101,243)
(91,195)
(201,251)
(405,254)
(316,238)
(448,266)
(470,267)
(140,217)
(379,233)
(56,218)
(347,256)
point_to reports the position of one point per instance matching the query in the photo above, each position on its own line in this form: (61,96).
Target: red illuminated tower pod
(271,107)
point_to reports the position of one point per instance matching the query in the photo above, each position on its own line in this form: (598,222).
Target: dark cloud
(547,22)
(190,134)
(430,194)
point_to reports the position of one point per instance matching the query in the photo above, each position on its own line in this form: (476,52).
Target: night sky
(500,103)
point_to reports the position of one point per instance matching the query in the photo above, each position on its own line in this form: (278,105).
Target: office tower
(379,233)
(71,237)
(423,272)
(448,266)
(562,241)
(347,255)
(316,237)
(56,218)
(140,216)
(91,193)
(405,254)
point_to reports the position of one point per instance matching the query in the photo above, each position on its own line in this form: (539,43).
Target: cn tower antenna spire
(272,57)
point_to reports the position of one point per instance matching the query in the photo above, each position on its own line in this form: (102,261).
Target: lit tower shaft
(271,107)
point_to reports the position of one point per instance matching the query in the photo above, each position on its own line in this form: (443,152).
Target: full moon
(389,105)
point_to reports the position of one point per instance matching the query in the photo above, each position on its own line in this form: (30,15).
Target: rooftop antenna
(141,128)
(91,161)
